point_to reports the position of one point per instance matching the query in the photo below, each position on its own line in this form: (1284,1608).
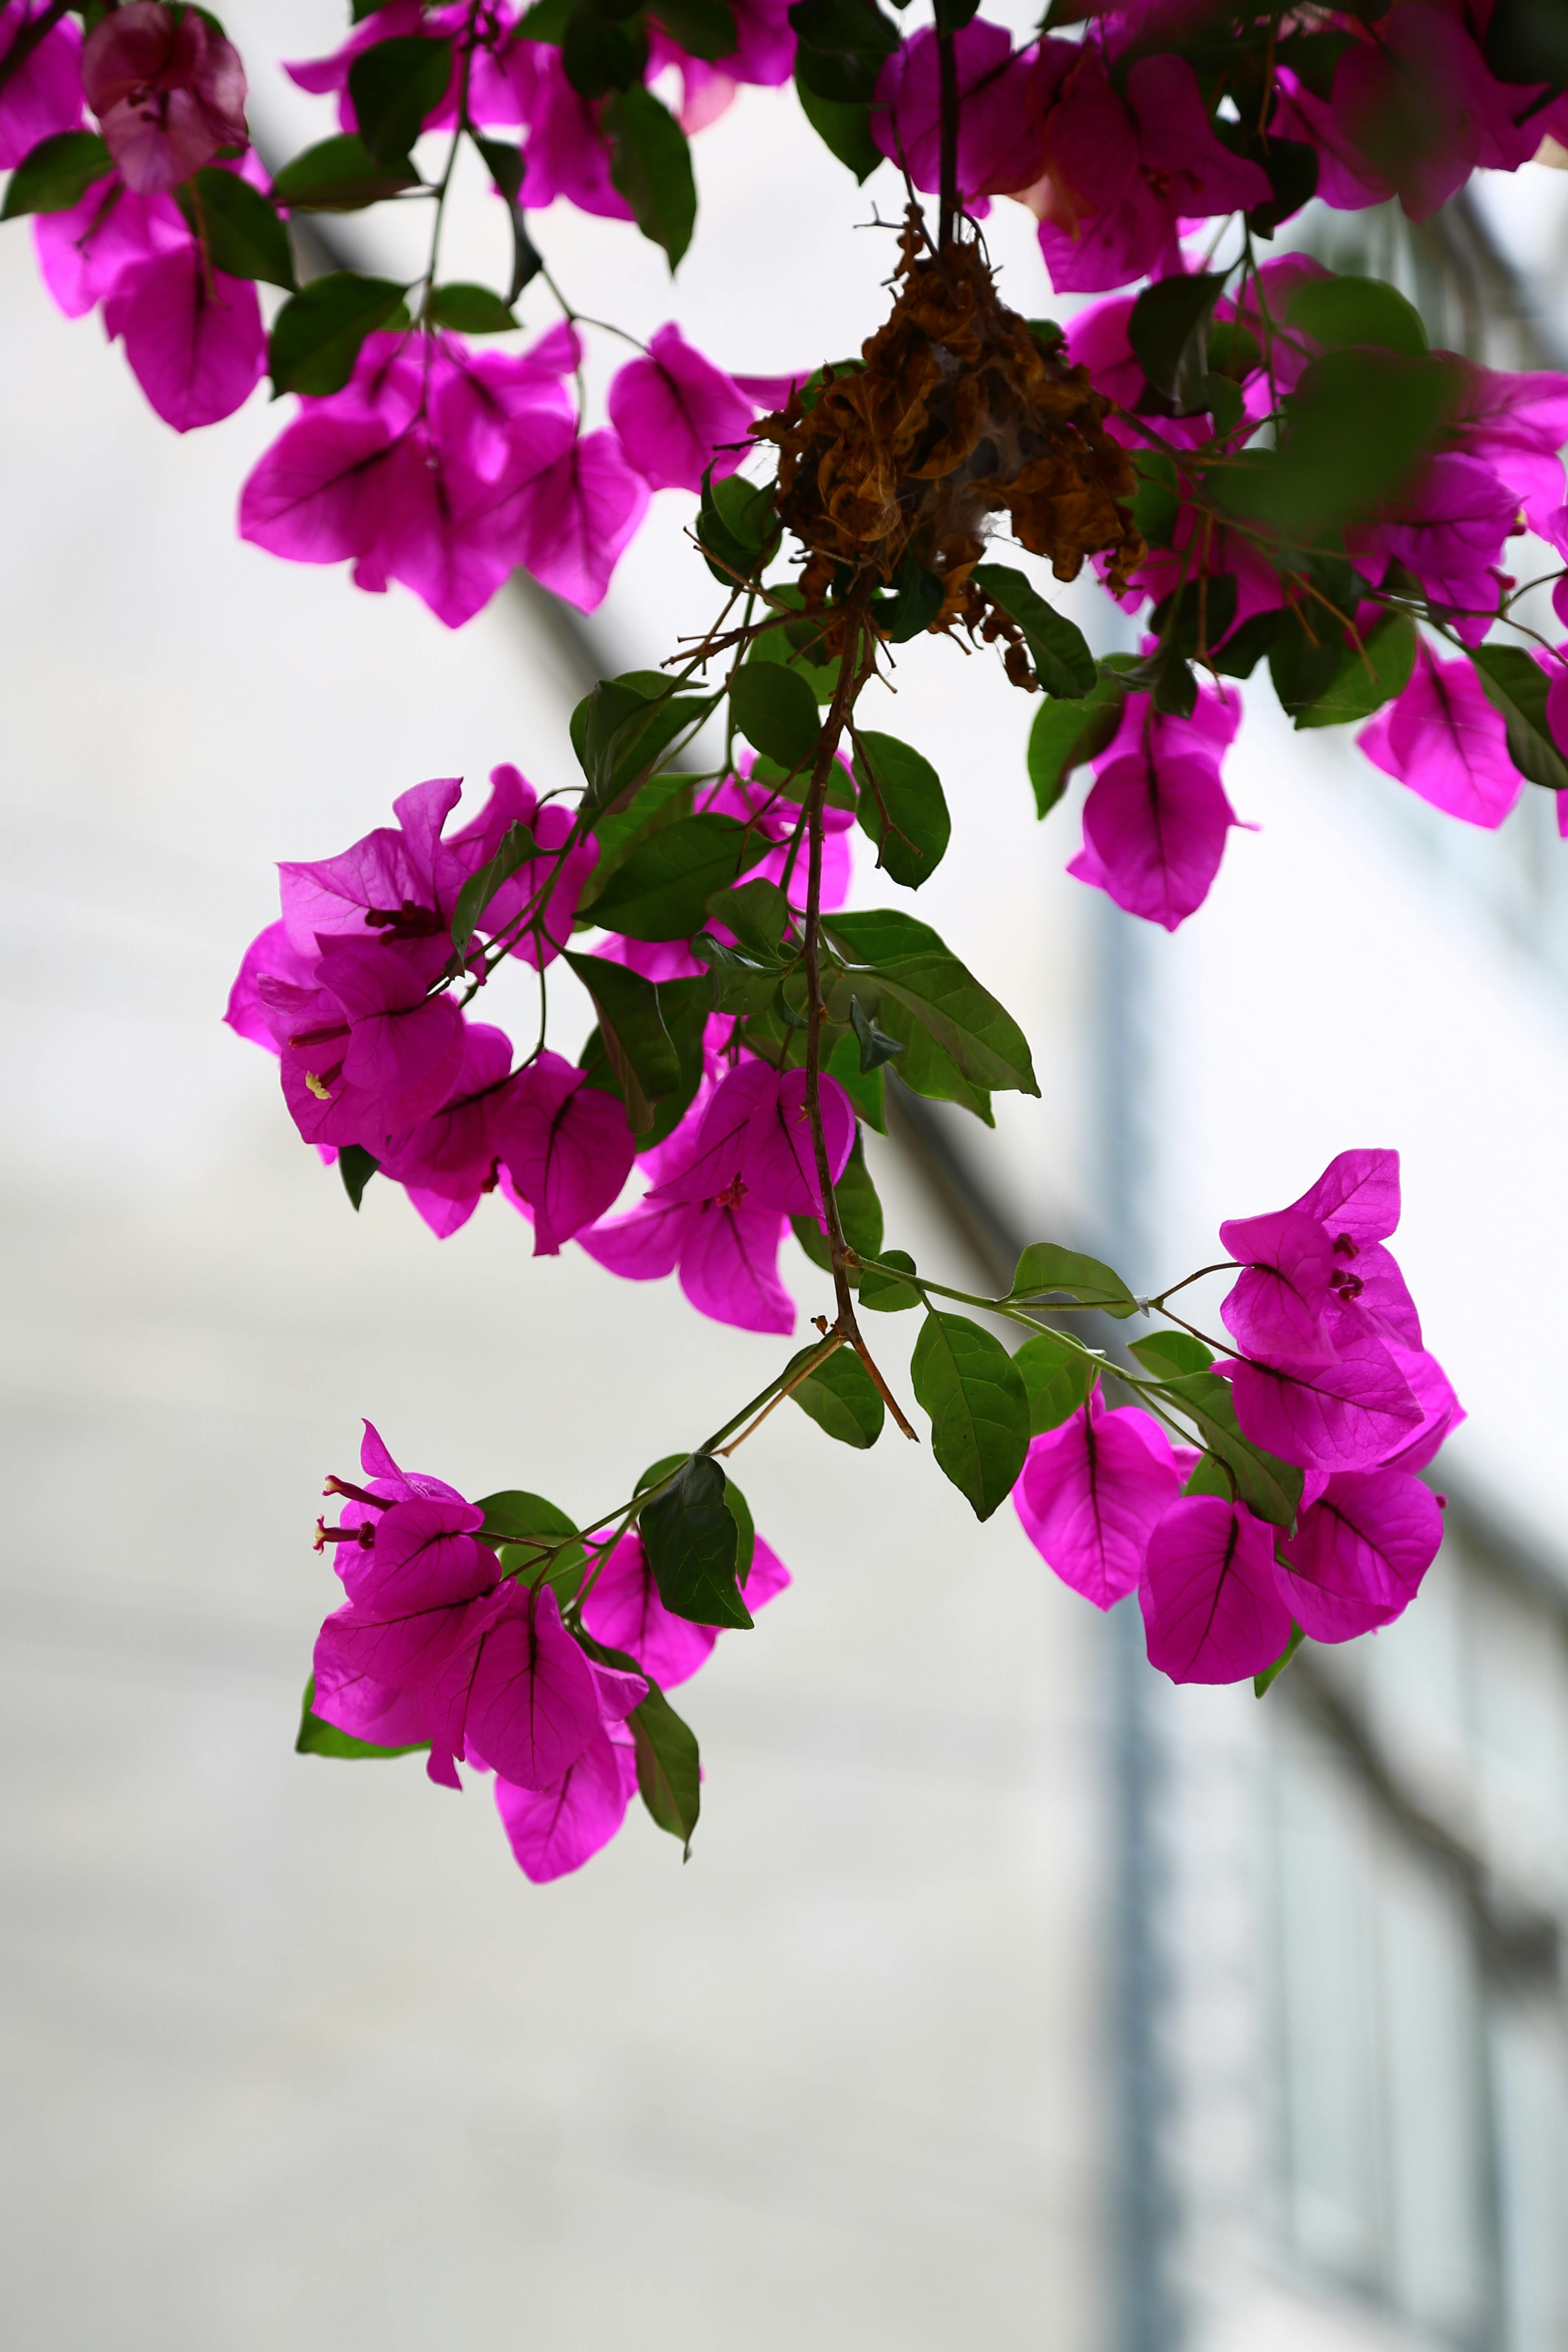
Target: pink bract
(1091,1493)
(168,91)
(1209,1595)
(43,97)
(676,414)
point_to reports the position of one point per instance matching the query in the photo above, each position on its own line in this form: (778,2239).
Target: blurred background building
(1012,1996)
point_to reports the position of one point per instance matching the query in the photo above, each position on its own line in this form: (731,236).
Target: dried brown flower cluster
(959,412)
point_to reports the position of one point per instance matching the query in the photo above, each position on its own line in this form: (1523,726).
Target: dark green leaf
(875,1047)
(244,235)
(1194,618)
(661,890)
(317,334)
(1314,58)
(918,972)
(901,806)
(1517,687)
(393,86)
(57,173)
(1269,1488)
(1292,168)
(779,645)
(1358,310)
(623,729)
(650,165)
(1527,41)
(1304,667)
(663,800)
(703,28)
(1169,1354)
(692,1543)
(738,525)
(1260,1683)
(1058,1378)
(640,1049)
(1357,424)
(1245,647)
(776,711)
(357,1166)
(516,846)
(952,16)
(756,912)
(859,1210)
(1168,330)
(925,1068)
(1044,1270)
(1057,647)
(505,166)
(318,1739)
(1365,678)
(468,309)
(865,1088)
(517,1514)
(546,21)
(884,1292)
(843,126)
(600,54)
(1068,732)
(670,1770)
(1157,503)
(914,605)
(979,1408)
(840,1396)
(846,28)
(341,175)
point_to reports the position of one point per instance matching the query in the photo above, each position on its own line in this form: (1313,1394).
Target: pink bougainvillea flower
(1444,738)
(624,1611)
(1091,1493)
(194,337)
(451,1156)
(493,90)
(84,253)
(567,1148)
(1156,817)
(270,953)
(676,414)
(1276,1309)
(1359,1553)
(1125,166)
(1449,531)
(518,1694)
(556,1829)
(167,88)
(1349,1414)
(567,153)
(727,1258)
(367,1053)
(1210,1597)
(1441,1411)
(583,511)
(999,142)
(775,817)
(424,1554)
(1516,424)
(43,95)
(754,1141)
(1356,1200)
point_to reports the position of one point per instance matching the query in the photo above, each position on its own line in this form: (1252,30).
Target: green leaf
(621,731)
(357,1166)
(1169,1354)
(1168,330)
(546,21)
(57,173)
(505,166)
(797,644)
(515,1513)
(1527,41)
(1057,646)
(843,126)
(1517,687)
(738,525)
(1058,1378)
(393,86)
(650,165)
(1066,732)
(840,1396)
(468,309)
(1271,1675)
(875,1047)
(776,711)
(1358,310)
(925,1068)
(664,800)
(515,847)
(1044,1270)
(1197,614)
(884,1292)
(1157,501)
(662,891)
(318,1739)
(910,610)
(978,1404)
(1366,678)
(692,1542)
(1356,425)
(1293,168)
(1269,1488)
(341,175)
(859,1210)
(669,1769)
(316,335)
(844,28)
(865,1089)
(244,235)
(756,912)
(601,54)
(1245,647)
(703,28)
(918,972)
(901,807)
(640,1050)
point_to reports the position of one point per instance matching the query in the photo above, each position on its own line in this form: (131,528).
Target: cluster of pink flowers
(1332,1377)
(437,1646)
(352,991)
(446,468)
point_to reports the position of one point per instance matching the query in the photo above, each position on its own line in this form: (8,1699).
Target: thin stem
(834,1339)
